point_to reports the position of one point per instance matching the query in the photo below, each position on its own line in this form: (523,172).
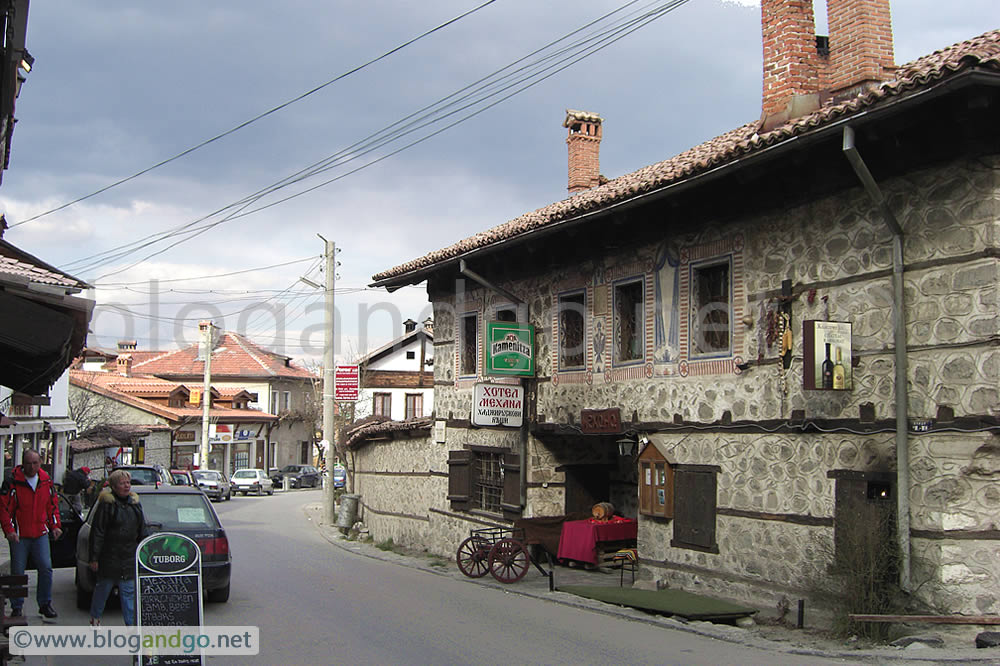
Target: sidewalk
(959,645)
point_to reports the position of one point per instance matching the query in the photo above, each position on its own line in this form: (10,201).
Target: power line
(260,116)
(587,47)
(206,277)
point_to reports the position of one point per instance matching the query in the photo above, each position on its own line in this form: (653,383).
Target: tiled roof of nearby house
(233,356)
(982,51)
(124,390)
(16,264)
(116,434)
(358,435)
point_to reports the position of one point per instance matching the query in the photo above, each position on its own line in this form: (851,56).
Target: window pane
(470,344)
(489,481)
(628,322)
(506,314)
(571,327)
(711,319)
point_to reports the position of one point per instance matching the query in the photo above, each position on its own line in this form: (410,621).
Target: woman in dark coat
(119,525)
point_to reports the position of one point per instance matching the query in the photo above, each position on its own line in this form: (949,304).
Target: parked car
(63,550)
(182,477)
(299,476)
(213,483)
(169,509)
(148,475)
(339,476)
(252,481)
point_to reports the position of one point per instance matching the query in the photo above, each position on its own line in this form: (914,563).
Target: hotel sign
(510,349)
(498,405)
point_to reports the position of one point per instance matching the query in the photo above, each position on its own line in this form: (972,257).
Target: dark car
(299,476)
(180,509)
(63,550)
(148,475)
(181,477)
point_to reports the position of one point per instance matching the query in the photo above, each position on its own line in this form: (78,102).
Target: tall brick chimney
(125,365)
(584,142)
(802,71)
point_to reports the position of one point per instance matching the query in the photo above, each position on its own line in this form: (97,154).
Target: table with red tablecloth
(580,538)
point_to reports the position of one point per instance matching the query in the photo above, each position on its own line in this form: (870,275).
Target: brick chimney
(803,70)
(861,51)
(125,365)
(125,346)
(584,142)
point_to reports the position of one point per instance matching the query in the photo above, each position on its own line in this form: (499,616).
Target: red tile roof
(125,390)
(233,356)
(982,51)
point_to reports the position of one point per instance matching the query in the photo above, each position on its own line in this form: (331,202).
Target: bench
(11,587)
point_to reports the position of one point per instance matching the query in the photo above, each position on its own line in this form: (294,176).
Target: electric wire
(592,45)
(210,277)
(260,116)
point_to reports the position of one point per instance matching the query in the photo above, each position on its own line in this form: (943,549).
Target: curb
(314,513)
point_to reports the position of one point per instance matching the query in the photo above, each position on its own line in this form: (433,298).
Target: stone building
(795,322)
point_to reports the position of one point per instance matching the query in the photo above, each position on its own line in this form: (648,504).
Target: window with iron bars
(488,481)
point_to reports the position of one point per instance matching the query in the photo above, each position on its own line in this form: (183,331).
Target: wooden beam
(933,619)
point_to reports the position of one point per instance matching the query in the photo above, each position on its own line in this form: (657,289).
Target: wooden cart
(500,551)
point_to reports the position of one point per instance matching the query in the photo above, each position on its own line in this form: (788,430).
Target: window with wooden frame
(656,484)
(571,322)
(628,322)
(469,345)
(695,489)
(414,405)
(506,313)
(711,309)
(382,405)
(288,400)
(485,479)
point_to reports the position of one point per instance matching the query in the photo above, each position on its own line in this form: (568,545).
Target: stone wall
(837,254)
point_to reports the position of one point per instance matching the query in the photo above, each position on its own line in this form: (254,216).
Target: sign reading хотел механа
(510,349)
(498,405)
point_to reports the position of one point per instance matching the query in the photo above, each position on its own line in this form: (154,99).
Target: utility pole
(206,394)
(329,377)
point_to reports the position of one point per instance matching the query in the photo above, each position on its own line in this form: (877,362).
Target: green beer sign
(510,349)
(167,553)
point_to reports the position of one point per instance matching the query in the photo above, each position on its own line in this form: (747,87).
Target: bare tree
(90,409)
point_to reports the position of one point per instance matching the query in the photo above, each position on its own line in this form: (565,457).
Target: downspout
(899,340)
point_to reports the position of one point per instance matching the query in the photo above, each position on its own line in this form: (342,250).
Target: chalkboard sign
(170,601)
(168,569)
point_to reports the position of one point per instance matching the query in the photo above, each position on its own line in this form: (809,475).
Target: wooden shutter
(694,507)
(511,500)
(460,479)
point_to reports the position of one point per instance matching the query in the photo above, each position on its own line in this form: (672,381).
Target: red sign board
(601,420)
(345,383)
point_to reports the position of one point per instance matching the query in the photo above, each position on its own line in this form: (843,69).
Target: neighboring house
(103,447)
(691,301)
(397,380)
(144,402)
(278,386)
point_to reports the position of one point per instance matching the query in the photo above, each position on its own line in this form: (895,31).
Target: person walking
(119,525)
(29,511)
(75,483)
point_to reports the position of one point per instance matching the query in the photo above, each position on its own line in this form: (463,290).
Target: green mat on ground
(671,602)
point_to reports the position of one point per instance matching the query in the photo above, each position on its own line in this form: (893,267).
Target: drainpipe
(899,335)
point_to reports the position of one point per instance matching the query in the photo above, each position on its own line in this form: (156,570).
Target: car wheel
(219,596)
(270,492)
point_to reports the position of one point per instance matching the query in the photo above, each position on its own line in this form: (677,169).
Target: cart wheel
(509,560)
(472,557)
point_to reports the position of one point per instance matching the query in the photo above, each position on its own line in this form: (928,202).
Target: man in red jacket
(29,510)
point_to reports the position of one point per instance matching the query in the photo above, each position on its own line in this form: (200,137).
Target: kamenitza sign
(498,405)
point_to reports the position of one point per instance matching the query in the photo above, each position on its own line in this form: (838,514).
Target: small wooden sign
(595,421)
(184,436)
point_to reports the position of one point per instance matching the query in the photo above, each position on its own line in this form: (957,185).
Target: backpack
(75,481)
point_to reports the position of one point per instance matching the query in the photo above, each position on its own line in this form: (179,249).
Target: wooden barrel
(603,511)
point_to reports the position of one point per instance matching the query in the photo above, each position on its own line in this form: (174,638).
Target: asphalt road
(316,603)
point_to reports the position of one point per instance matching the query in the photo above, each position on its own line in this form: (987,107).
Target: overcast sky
(120,85)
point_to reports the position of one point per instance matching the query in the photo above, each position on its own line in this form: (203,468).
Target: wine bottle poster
(827,355)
